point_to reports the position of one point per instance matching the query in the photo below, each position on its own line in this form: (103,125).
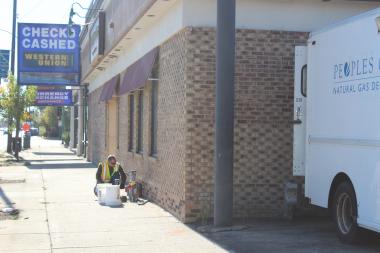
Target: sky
(37,11)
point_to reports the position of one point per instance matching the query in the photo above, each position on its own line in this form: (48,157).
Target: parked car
(4,130)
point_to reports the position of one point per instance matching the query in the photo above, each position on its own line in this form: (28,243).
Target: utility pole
(13,50)
(18,116)
(224,113)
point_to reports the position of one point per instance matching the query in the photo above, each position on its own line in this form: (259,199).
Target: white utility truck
(337,121)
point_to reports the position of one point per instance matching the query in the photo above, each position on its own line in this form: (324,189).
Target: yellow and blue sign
(48,54)
(4,63)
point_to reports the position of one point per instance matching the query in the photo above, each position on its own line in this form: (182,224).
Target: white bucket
(112,197)
(101,190)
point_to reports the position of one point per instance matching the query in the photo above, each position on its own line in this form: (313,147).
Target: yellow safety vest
(106,176)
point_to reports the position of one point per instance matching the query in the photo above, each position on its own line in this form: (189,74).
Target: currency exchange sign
(4,63)
(48,54)
(56,97)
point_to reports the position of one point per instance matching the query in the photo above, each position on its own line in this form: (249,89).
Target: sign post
(26,127)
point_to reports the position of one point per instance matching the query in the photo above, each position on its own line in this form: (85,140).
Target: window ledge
(153,158)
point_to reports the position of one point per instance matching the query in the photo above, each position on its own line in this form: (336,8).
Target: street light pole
(224,113)
(13,52)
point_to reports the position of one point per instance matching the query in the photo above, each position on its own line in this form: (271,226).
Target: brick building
(159,119)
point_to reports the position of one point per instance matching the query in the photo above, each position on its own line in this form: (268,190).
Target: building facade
(151,96)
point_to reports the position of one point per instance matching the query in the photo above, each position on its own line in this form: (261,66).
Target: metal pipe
(18,116)
(80,123)
(224,113)
(85,125)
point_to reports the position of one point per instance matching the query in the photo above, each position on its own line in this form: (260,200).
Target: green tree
(36,117)
(49,121)
(13,102)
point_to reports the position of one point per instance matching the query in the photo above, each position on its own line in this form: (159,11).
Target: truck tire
(345,212)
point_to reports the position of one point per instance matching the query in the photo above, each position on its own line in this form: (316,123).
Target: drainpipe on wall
(85,121)
(80,123)
(72,125)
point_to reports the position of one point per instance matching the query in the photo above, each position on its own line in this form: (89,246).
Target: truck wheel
(346,213)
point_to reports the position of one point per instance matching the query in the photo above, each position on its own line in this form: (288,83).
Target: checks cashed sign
(48,54)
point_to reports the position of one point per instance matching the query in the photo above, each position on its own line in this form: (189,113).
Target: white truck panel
(299,129)
(343,114)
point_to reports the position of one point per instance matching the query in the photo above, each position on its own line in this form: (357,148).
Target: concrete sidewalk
(59,213)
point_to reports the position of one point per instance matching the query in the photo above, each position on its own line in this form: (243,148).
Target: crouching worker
(110,171)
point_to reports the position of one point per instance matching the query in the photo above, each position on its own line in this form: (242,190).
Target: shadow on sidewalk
(54,160)
(59,166)
(53,153)
(5,198)
(275,235)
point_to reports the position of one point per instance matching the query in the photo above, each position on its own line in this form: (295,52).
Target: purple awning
(138,73)
(110,88)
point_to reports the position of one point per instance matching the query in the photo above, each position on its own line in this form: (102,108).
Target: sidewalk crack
(46,211)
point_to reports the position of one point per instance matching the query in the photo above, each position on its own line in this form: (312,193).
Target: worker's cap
(111,157)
